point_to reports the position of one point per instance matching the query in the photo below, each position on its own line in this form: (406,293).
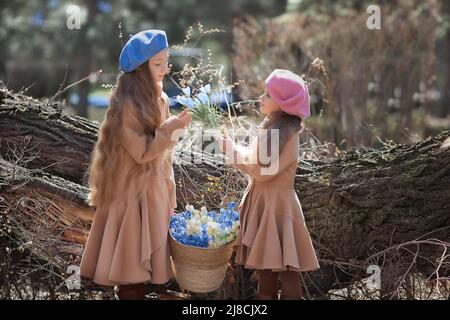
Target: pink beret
(289,91)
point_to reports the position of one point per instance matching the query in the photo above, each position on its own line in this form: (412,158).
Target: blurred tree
(445,25)
(34,34)
(442,40)
(378,81)
(84,52)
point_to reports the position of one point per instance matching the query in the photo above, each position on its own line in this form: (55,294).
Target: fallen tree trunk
(371,200)
(45,136)
(46,210)
(359,208)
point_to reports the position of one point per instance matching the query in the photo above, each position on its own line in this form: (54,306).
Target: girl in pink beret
(273,237)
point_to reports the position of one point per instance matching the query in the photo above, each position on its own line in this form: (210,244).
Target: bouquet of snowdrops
(204,106)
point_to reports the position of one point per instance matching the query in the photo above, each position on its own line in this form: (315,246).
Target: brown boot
(265,296)
(134,291)
(290,286)
(268,285)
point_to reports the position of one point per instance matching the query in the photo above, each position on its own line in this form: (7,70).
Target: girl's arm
(169,164)
(144,147)
(245,160)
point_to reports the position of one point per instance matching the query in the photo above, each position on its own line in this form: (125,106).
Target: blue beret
(141,47)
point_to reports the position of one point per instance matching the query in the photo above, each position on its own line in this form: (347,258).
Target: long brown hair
(286,124)
(139,88)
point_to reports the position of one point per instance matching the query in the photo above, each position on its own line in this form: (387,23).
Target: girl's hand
(185,117)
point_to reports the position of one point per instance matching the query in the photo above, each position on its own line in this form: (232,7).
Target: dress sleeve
(144,147)
(168,165)
(245,159)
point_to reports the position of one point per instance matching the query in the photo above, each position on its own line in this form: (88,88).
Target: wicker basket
(199,269)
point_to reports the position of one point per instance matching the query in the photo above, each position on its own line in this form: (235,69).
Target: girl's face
(158,65)
(267,105)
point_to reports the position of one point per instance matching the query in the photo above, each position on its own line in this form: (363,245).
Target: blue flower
(206,89)
(212,215)
(186,91)
(185,101)
(202,98)
(231,205)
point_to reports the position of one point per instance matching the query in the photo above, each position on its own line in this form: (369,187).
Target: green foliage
(37,29)
(206,114)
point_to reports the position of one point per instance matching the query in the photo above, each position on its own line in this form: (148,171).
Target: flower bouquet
(203,106)
(201,245)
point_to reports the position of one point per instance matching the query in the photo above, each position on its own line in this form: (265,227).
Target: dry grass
(377,81)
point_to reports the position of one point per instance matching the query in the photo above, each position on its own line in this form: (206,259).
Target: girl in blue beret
(131,177)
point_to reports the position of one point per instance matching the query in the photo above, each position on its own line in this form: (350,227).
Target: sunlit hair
(140,89)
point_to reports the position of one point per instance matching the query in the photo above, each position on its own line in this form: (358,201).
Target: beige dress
(127,242)
(273,234)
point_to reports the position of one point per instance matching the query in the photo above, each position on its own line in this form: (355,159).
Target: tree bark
(445,101)
(355,206)
(59,142)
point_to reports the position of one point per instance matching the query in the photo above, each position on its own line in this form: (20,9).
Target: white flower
(213,228)
(189,229)
(213,225)
(193,227)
